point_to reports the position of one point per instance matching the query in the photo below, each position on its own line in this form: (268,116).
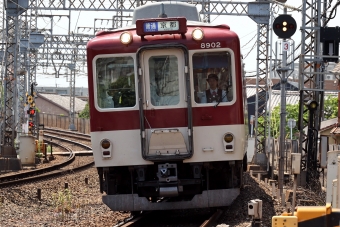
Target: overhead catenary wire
(252,48)
(75,27)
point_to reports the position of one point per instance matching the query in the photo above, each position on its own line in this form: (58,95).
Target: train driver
(213,94)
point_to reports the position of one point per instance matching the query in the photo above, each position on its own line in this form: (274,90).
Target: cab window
(164,83)
(115,82)
(212,77)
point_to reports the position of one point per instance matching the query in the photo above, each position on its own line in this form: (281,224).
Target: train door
(165,123)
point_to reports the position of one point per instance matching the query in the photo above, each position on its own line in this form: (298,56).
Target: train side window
(115,82)
(164,83)
(218,66)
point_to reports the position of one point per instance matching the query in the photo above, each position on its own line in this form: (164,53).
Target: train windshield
(212,77)
(115,82)
(164,84)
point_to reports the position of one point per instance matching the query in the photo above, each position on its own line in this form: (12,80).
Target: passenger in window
(213,94)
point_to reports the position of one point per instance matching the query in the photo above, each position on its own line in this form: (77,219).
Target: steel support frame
(262,89)
(10,76)
(311,87)
(21,81)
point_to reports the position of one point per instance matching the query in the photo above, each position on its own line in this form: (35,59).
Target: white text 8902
(210,45)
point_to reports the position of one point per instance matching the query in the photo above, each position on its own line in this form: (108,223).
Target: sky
(244,26)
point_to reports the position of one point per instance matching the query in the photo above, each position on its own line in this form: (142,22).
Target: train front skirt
(210,198)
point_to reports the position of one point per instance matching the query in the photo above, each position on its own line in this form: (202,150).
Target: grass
(62,202)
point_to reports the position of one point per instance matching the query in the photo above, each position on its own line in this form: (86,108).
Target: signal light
(30,99)
(277,26)
(31,112)
(30,125)
(284,26)
(312,105)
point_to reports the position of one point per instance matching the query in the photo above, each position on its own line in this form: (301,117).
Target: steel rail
(46,171)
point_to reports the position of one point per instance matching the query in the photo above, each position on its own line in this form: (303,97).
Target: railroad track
(146,218)
(50,133)
(53,170)
(70,134)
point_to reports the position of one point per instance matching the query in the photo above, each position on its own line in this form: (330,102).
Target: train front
(167,111)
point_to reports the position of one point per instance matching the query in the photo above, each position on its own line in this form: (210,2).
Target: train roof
(189,23)
(170,9)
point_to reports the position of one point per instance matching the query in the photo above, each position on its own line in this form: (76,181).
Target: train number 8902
(210,45)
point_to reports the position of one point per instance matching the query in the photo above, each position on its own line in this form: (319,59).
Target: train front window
(115,82)
(164,84)
(212,77)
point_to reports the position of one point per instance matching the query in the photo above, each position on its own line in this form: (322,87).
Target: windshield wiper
(220,100)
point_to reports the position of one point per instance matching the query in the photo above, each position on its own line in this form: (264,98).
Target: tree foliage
(85,113)
(292,112)
(330,107)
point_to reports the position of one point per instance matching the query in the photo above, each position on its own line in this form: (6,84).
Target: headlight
(126,38)
(228,137)
(197,34)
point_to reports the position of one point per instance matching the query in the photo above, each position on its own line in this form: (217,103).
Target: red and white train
(161,137)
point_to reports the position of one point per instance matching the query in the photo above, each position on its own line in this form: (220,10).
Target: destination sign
(159,26)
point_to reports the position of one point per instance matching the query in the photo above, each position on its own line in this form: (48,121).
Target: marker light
(105,144)
(106,148)
(228,142)
(197,34)
(126,38)
(228,137)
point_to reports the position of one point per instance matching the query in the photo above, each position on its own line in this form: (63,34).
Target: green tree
(292,112)
(85,113)
(330,107)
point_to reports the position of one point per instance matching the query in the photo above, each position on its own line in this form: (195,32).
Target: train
(168,113)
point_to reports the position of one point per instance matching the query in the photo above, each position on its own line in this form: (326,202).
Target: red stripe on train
(169,118)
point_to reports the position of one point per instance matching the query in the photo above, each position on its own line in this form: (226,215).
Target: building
(79,91)
(51,103)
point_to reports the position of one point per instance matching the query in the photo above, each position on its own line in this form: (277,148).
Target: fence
(57,121)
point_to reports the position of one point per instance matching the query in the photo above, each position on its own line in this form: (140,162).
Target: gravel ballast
(81,204)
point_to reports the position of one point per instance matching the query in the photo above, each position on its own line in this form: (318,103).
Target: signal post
(284,27)
(31,111)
